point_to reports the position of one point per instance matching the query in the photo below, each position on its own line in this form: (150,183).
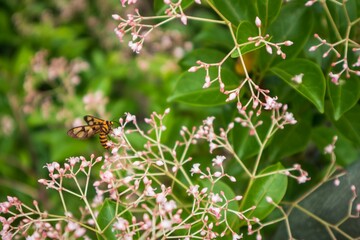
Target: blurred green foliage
(60,60)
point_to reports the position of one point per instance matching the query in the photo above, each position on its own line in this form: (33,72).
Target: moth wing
(91,120)
(83,132)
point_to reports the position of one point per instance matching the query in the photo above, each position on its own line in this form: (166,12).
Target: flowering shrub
(237,174)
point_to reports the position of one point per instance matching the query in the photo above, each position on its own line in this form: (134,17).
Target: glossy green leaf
(345,95)
(346,153)
(219,187)
(349,125)
(330,204)
(221,40)
(290,140)
(273,186)
(204,55)
(245,30)
(107,217)
(313,81)
(189,88)
(268,10)
(294,23)
(245,144)
(236,10)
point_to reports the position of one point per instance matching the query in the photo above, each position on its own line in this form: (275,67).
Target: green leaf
(294,23)
(245,144)
(204,55)
(346,153)
(345,95)
(290,140)
(219,187)
(273,186)
(107,217)
(330,204)
(205,37)
(313,81)
(236,10)
(268,10)
(245,30)
(349,125)
(22,60)
(189,88)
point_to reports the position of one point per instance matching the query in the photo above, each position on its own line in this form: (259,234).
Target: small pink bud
(231,97)
(193,69)
(269,49)
(183,19)
(204,190)
(159,163)
(238,198)
(257,22)
(207,84)
(309,3)
(232,178)
(116,17)
(313,48)
(222,87)
(269,199)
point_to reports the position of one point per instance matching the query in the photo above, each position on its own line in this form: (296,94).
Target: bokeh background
(60,60)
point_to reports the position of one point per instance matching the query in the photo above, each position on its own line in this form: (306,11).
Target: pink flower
(257,22)
(334,78)
(298,78)
(289,118)
(107,176)
(195,169)
(165,224)
(218,160)
(183,19)
(271,103)
(329,149)
(193,190)
(215,198)
(121,224)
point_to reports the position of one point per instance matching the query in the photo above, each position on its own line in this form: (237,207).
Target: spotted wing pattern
(95,126)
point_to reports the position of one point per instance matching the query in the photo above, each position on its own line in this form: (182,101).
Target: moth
(94,126)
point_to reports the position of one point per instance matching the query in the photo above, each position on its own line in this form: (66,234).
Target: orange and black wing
(91,120)
(95,126)
(83,132)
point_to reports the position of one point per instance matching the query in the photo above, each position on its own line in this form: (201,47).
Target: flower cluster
(260,98)
(143,182)
(60,77)
(140,26)
(345,42)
